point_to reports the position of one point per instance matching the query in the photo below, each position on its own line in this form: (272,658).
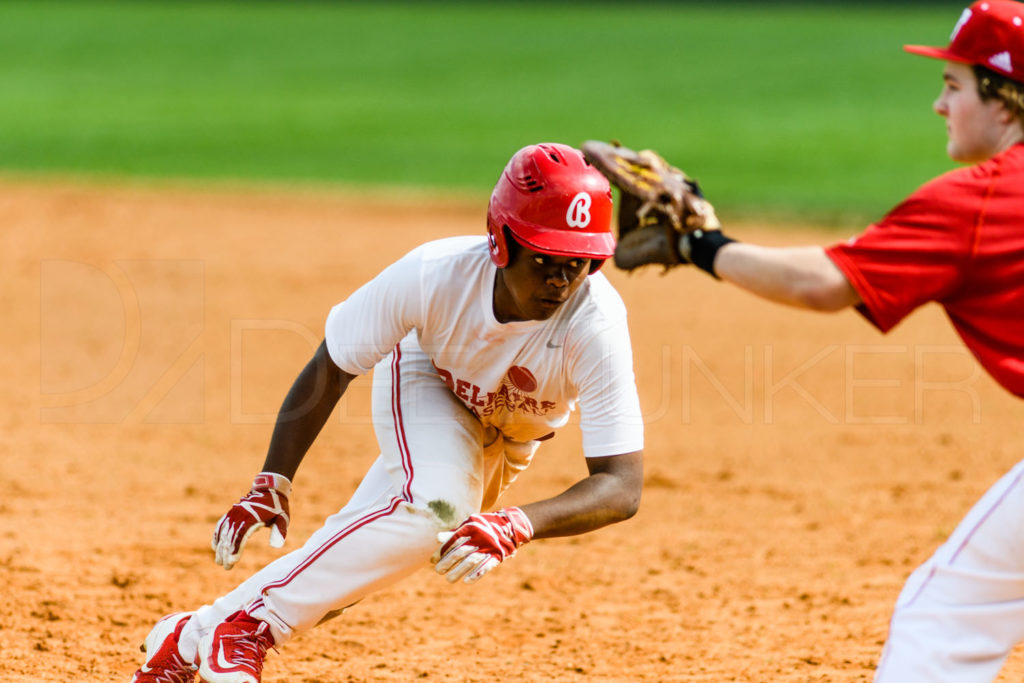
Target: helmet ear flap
(497,244)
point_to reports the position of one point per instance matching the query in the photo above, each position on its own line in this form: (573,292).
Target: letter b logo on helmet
(551,200)
(578,215)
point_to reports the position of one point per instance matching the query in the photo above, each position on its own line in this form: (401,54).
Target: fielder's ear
(1009,116)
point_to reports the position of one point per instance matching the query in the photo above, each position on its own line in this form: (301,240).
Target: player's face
(976,128)
(534,285)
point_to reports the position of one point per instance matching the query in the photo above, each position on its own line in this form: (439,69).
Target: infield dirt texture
(798,465)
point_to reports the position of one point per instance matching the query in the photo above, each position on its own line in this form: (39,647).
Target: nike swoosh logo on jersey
(553,345)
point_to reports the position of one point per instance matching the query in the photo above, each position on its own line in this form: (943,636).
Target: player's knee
(443,512)
(448,497)
(446,512)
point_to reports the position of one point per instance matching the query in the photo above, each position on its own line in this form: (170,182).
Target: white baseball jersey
(522,378)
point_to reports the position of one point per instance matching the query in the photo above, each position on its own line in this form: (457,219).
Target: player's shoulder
(463,246)
(594,320)
(604,296)
(596,306)
(447,258)
(1010,161)
(975,181)
(948,202)
(950,187)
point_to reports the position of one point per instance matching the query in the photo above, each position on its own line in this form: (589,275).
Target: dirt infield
(799,466)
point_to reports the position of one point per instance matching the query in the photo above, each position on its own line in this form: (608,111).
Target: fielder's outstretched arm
(798,276)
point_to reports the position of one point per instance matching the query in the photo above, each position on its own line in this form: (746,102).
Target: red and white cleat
(163,663)
(234,652)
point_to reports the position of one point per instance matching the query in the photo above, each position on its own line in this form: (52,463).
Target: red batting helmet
(554,202)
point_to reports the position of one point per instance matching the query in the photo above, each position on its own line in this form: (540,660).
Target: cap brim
(935,52)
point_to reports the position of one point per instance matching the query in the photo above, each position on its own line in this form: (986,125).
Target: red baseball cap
(990,33)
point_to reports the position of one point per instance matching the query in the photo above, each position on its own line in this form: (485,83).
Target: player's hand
(265,505)
(479,544)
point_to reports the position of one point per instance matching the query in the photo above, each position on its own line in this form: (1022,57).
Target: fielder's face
(976,128)
(534,285)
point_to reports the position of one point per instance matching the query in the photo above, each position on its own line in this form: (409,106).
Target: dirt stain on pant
(445,512)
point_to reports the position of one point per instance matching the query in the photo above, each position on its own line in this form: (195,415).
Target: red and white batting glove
(479,544)
(265,505)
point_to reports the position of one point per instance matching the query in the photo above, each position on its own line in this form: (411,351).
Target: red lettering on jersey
(510,397)
(446,376)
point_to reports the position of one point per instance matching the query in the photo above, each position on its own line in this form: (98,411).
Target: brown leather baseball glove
(658,204)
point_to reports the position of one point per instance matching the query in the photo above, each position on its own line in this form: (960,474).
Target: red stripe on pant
(396,415)
(396,411)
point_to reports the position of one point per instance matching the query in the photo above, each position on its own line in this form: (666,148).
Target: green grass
(803,111)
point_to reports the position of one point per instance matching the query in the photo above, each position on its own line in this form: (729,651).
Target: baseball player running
(480,347)
(959,241)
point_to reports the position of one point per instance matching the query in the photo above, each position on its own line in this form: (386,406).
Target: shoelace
(252,646)
(183,672)
(185,675)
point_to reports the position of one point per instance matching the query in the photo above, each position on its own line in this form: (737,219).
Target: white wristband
(273,480)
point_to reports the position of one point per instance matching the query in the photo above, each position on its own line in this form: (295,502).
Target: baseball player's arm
(305,410)
(303,414)
(799,276)
(610,494)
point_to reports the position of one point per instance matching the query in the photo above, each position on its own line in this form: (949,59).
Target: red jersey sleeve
(912,256)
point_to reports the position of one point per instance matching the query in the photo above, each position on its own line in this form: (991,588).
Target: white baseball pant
(962,611)
(437,466)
